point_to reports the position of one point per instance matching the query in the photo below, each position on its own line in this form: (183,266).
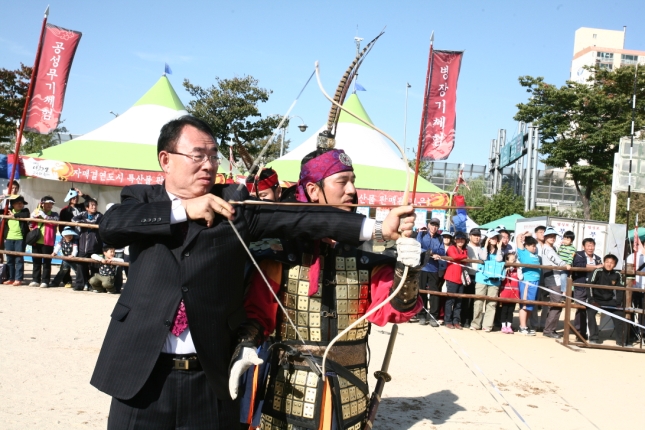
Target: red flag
(46,104)
(440,119)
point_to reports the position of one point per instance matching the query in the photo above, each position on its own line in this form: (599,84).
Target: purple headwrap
(321,167)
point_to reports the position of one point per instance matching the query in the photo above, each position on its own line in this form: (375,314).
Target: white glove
(248,358)
(408,251)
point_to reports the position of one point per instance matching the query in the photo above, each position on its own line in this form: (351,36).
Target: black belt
(179,362)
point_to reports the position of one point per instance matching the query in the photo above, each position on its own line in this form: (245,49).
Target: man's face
(433,228)
(475,239)
(184,177)
(91,207)
(566,241)
(539,235)
(338,189)
(18,206)
(609,264)
(15,188)
(590,247)
(531,248)
(505,238)
(108,253)
(270,194)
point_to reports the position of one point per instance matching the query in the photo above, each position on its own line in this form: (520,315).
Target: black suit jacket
(206,270)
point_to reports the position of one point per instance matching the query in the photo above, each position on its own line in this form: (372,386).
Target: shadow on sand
(403,412)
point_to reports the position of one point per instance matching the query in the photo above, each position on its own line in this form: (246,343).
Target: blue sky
(125,45)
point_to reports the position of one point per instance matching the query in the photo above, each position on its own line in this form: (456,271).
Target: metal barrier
(567,305)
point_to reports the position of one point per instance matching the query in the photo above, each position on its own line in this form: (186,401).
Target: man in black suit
(166,354)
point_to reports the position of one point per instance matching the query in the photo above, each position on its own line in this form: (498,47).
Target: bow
(405,199)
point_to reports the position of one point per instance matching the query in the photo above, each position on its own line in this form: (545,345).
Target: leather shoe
(458,326)
(8,282)
(553,335)
(450,326)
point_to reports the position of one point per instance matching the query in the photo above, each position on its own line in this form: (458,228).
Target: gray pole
(494,165)
(502,143)
(527,175)
(536,145)
(284,131)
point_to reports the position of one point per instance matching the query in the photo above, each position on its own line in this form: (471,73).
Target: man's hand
(408,251)
(207,207)
(247,358)
(399,223)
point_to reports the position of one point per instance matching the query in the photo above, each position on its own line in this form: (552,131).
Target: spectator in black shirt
(606,299)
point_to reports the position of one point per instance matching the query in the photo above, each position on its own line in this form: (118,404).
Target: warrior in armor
(324,287)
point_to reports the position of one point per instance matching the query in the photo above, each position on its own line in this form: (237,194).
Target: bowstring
(405,198)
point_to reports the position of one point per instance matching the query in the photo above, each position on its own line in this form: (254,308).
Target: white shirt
(183,344)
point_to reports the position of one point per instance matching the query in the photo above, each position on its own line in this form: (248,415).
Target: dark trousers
(42,266)
(16,263)
(506,312)
(430,281)
(619,326)
(63,273)
(452,312)
(85,272)
(551,324)
(174,399)
(580,321)
(467,305)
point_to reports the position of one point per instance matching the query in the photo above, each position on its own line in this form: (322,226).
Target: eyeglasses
(200,158)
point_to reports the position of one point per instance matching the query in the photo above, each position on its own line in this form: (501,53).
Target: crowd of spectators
(492,279)
(76,241)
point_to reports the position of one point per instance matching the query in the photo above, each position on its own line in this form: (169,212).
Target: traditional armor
(295,395)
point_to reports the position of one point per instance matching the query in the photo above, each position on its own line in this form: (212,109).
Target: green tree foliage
(230,107)
(13,92)
(600,206)
(35,142)
(581,123)
(502,204)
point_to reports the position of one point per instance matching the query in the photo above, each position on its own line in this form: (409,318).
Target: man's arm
(136,217)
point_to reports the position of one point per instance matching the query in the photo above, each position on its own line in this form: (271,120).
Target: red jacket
(453,271)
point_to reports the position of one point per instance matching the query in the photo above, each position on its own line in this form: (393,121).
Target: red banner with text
(440,121)
(46,104)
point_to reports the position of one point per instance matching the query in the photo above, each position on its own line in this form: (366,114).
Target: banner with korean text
(440,119)
(46,104)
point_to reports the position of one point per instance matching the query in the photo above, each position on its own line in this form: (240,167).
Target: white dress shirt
(183,344)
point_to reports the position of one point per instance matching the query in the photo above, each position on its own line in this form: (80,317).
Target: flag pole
(30,90)
(423,119)
(629,192)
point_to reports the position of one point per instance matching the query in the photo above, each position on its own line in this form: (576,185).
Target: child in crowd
(104,280)
(487,281)
(15,233)
(527,254)
(566,251)
(68,247)
(454,280)
(510,290)
(45,245)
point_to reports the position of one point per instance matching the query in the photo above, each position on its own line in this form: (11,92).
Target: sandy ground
(441,378)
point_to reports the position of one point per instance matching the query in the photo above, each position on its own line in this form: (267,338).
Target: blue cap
(68,231)
(70,195)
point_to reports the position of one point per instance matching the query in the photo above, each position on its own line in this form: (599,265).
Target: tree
(502,204)
(13,92)
(272,153)
(600,206)
(230,107)
(581,123)
(34,142)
